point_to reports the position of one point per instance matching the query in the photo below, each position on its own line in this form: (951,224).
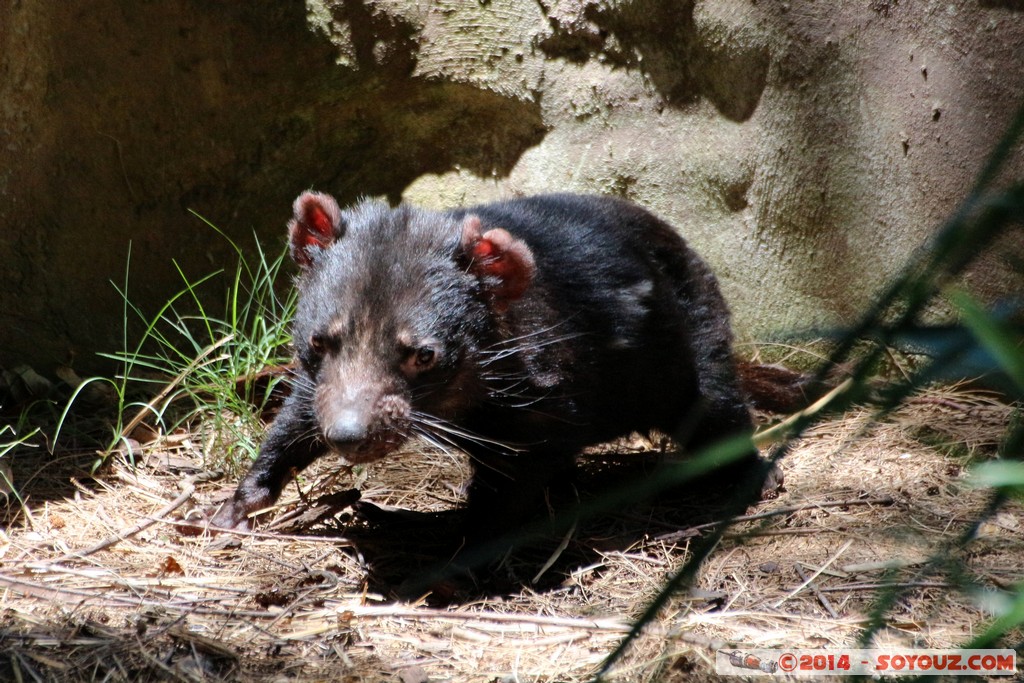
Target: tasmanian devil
(520,332)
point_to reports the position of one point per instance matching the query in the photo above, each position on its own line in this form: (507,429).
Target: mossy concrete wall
(805,148)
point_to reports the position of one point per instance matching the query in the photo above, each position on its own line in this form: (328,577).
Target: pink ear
(316,225)
(504,264)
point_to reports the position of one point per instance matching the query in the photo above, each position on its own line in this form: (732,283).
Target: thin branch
(691,531)
(186,494)
(817,593)
(846,546)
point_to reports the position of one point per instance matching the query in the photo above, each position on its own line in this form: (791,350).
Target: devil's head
(394,305)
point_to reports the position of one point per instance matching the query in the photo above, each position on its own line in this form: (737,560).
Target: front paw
(227,517)
(232,516)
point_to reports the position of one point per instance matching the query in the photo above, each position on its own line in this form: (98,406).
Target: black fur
(595,320)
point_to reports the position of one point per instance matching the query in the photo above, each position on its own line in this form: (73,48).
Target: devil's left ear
(504,264)
(315,226)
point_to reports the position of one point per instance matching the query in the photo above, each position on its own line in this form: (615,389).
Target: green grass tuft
(197,368)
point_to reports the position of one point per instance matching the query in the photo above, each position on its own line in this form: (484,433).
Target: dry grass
(310,600)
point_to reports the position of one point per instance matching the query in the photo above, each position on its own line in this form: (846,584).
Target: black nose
(349,428)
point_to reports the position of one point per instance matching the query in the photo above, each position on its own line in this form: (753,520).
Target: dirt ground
(100,584)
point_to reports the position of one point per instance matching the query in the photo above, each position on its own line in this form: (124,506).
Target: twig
(817,593)
(408,612)
(198,528)
(689,531)
(186,494)
(877,585)
(79,597)
(837,573)
(349,612)
(862,567)
(815,575)
(562,545)
(881,500)
(766,533)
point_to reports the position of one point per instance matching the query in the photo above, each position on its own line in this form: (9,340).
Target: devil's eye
(418,355)
(318,343)
(417,359)
(425,356)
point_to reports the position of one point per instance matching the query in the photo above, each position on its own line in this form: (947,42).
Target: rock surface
(804,148)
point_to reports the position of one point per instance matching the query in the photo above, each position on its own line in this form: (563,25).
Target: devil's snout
(349,428)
